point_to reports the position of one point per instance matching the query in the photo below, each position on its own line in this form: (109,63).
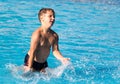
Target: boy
(41,41)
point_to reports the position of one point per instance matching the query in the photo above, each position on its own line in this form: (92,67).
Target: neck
(45,29)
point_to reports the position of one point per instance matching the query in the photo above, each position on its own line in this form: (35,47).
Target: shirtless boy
(41,41)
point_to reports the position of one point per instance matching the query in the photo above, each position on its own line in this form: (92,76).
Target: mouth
(51,22)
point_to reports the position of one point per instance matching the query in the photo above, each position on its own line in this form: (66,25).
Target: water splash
(76,72)
(58,71)
(34,77)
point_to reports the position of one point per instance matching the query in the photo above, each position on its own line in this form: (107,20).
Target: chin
(49,26)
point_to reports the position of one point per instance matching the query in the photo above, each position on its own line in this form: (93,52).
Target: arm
(33,46)
(56,52)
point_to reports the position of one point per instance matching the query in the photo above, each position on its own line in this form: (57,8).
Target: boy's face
(48,18)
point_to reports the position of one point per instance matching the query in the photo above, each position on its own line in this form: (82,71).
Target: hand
(65,60)
(27,69)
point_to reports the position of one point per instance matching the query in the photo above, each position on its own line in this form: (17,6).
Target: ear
(42,18)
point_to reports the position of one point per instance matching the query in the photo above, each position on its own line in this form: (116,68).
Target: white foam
(58,71)
(34,77)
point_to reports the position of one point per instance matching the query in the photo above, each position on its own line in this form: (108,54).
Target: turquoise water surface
(89,32)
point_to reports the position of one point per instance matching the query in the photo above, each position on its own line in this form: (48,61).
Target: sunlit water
(89,32)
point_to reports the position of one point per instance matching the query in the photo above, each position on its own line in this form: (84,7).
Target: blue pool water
(89,32)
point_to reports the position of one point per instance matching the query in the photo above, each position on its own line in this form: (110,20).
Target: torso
(43,49)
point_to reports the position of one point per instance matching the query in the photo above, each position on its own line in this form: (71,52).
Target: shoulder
(54,33)
(36,33)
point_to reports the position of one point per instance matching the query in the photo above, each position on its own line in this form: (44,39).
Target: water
(88,32)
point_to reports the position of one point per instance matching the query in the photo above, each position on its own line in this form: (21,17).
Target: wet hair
(44,11)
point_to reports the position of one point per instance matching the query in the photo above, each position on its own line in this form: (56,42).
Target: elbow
(54,52)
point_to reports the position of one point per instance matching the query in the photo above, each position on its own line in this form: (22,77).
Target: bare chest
(46,41)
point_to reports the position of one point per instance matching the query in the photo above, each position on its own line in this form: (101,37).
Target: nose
(53,18)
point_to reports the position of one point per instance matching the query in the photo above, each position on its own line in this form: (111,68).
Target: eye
(50,16)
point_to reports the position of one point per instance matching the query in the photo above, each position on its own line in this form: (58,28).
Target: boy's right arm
(33,46)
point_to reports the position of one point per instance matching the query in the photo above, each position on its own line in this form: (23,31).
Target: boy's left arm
(56,52)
